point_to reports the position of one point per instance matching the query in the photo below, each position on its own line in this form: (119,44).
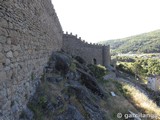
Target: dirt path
(124,80)
(133,84)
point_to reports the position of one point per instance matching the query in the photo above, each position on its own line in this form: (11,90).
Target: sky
(98,20)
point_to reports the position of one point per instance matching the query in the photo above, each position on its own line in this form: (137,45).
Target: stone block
(9,54)
(7,48)
(15,47)
(8,61)
(7,68)
(2,58)
(21,45)
(1,66)
(15,54)
(9,41)
(0,47)
(3,39)
(9,74)
(4,23)
(2,75)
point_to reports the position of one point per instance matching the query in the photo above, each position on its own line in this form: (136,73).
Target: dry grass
(141,100)
(113,105)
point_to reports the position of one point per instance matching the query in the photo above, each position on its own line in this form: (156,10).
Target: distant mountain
(142,43)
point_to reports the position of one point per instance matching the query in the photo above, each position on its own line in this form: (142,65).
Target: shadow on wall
(94,61)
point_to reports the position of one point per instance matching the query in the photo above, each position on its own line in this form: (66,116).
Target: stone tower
(106,55)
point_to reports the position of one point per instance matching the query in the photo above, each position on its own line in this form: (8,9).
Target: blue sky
(97,20)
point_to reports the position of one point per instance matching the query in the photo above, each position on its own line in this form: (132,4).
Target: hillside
(142,43)
(72,90)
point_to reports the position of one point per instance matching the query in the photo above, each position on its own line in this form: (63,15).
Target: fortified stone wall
(29,32)
(92,53)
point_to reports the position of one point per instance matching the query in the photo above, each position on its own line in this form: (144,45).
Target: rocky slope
(72,90)
(68,91)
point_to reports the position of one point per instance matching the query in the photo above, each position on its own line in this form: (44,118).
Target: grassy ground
(130,75)
(114,105)
(127,98)
(140,100)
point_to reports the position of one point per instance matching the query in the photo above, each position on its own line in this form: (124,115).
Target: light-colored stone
(3,39)
(9,54)
(4,23)
(9,41)
(7,62)
(9,74)
(7,48)
(154,82)
(15,54)
(7,68)
(12,66)
(15,47)
(113,94)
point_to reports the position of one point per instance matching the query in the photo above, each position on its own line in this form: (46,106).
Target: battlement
(89,51)
(76,38)
(71,35)
(26,48)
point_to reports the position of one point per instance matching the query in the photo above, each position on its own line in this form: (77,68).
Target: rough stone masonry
(29,32)
(91,53)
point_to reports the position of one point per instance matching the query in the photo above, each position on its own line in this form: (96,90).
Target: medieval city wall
(89,52)
(29,32)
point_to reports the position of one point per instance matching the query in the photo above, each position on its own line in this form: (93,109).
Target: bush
(125,69)
(98,70)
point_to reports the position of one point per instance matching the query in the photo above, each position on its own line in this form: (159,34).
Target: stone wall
(29,32)
(89,52)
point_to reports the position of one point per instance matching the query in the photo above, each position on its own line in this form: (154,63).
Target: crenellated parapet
(70,35)
(76,38)
(89,51)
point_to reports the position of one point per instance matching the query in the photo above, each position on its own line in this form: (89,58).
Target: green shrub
(98,70)
(73,67)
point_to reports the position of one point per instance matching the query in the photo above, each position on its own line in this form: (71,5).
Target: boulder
(62,62)
(75,88)
(80,60)
(90,82)
(86,99)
